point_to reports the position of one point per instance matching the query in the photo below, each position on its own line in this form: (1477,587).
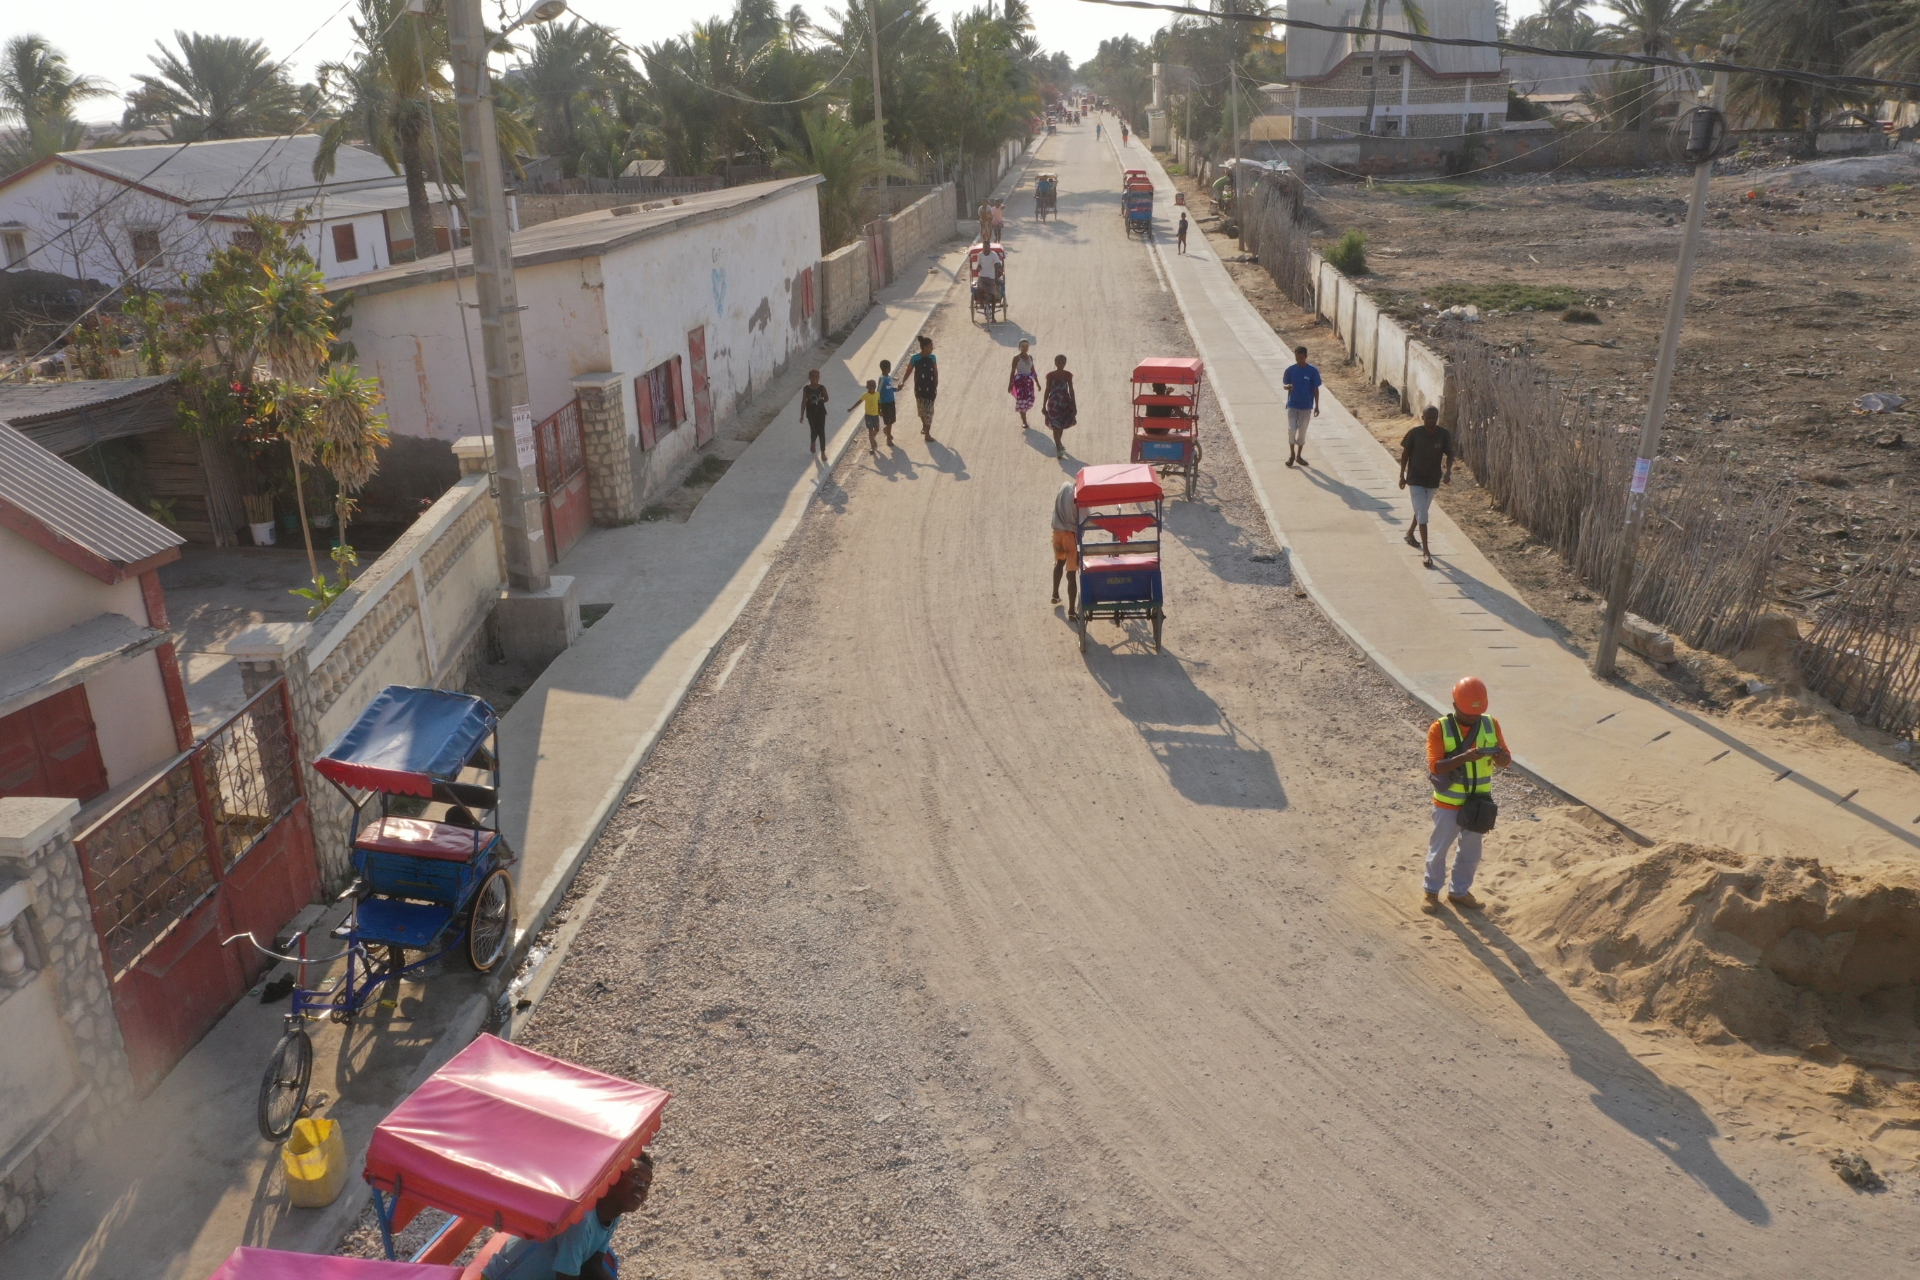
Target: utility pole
(517,486)
(1233,95)
(879,117)
(1706,130)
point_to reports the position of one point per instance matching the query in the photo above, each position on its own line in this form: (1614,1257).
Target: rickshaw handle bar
(289,959)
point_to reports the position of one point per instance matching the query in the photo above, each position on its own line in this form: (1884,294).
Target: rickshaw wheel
(283,1088)
(490,921)
(1083,632)
(1158,616)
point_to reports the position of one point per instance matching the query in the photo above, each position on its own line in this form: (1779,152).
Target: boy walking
(888,408)
(1426,463)
(870,406)
(813,412)
(1302,382)
(1182,235)
(926,384)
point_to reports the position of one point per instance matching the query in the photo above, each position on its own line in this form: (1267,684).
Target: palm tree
(215,87)
(350,436)
(1560,24)
(1373,13)
(1806,35)
(1893,45)
(844,155)
(570,68)
(1657,28)
(390,94)
(38,93)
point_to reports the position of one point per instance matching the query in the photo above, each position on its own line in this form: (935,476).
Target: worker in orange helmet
(1463,750)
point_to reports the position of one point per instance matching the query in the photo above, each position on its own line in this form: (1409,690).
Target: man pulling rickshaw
(1046,196)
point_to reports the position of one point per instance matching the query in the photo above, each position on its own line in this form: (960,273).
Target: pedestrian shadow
(947,461)
(1038,440)
(894,464)
(1206,757)
(1356,499)
(1625,1090)
(1514,612)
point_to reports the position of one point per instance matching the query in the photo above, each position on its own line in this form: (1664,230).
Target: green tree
(569,70)
(1892,49)
(1825,36)
(1657,28)
(1560,24)
(845,157)
(38,93)
(215,87)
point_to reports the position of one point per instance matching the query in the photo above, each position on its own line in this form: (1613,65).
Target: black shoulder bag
(1479,812)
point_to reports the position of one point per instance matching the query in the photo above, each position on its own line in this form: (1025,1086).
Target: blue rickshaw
(1121,511)
(421,770)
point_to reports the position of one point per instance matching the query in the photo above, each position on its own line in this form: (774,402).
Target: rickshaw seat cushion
(421,838)
(402,924)
(1108,564)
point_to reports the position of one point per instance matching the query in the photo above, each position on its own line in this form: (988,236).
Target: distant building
(157,212)
(1425,90)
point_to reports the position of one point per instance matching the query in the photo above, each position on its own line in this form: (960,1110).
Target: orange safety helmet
(1470,696)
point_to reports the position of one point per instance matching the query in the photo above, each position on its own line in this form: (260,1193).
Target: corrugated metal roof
(74,509)
(265,169)
(1313,54)
(585,235)
(22,403)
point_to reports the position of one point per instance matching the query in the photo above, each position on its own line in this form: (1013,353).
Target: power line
(1818,80)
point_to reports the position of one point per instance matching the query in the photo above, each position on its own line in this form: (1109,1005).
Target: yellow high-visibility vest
(1475,776)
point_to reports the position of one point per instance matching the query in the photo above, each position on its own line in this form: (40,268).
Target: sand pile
(1785,952)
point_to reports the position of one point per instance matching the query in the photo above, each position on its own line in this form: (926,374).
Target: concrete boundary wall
(1379,344)
(846,286)
(848,276)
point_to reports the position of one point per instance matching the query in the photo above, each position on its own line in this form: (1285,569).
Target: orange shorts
(1063,545)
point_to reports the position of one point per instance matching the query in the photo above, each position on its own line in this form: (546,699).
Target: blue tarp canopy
(407,739)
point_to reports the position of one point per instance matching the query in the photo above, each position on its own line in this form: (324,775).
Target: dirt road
(967,954)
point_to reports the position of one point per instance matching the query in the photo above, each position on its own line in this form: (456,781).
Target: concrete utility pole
(522,534)
(879,117)
(1704,136)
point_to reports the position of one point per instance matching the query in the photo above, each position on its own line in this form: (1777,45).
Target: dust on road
(966,954)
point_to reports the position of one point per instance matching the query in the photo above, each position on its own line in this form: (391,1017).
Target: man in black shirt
(1426,463)
(813,408)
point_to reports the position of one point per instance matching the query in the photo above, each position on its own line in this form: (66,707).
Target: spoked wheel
(490,921)
(1083,632)
(1159,615)
(283,1089)
(1192,471)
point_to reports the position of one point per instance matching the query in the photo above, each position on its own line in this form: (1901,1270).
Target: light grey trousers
(1446,830)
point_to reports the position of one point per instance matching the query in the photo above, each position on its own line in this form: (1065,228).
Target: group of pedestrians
(1059,408)
(878,403)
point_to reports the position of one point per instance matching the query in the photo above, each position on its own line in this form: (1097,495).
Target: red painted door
(702,393)
(51,749)
(562,452)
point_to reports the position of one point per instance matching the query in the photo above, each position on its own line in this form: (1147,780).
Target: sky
(112,38)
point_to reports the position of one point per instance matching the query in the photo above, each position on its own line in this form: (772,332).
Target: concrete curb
(1380,660)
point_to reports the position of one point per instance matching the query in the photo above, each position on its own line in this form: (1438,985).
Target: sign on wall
(523,450)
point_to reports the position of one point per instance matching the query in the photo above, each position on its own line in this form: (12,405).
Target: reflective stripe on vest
(1474,775)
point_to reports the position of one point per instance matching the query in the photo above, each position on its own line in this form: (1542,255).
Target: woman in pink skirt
(1021,384)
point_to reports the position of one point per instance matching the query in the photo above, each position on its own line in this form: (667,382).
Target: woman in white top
(1021,384)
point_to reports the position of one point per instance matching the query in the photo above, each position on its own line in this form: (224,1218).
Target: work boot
(1465,900)
(1432,905)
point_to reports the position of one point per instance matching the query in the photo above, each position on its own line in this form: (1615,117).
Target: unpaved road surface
(966,954)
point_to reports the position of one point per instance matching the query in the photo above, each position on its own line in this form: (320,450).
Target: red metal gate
(218,844)
(702,393)
(563,478)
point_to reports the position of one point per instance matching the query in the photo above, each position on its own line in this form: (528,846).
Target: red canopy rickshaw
(277,1264)
(508,1138)
(1166,409)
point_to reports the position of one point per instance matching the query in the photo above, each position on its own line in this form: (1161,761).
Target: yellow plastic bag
(315,1158)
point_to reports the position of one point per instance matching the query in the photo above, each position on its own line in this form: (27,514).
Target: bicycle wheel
(283,1088)
(490,922)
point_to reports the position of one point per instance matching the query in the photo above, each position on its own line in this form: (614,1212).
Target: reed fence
(1274,231)
(1863,654)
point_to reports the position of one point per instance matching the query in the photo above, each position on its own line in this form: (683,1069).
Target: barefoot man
(1066,548)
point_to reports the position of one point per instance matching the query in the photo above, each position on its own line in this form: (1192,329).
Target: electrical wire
(1816,79)
(266,153)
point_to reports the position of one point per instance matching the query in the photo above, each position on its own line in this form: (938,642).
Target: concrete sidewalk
(1658,770)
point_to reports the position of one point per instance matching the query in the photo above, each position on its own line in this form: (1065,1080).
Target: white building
(694,302)
(156,212)
(1425,90)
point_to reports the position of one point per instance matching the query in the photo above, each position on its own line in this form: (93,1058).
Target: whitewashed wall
(1379,344)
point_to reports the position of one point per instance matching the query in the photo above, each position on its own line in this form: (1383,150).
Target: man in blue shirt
(1302,382)
(581,1251)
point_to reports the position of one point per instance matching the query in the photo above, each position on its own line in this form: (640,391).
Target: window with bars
(661,402)
(13,247)
(146,246)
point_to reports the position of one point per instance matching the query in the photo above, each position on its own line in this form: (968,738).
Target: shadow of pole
(1625,1091)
